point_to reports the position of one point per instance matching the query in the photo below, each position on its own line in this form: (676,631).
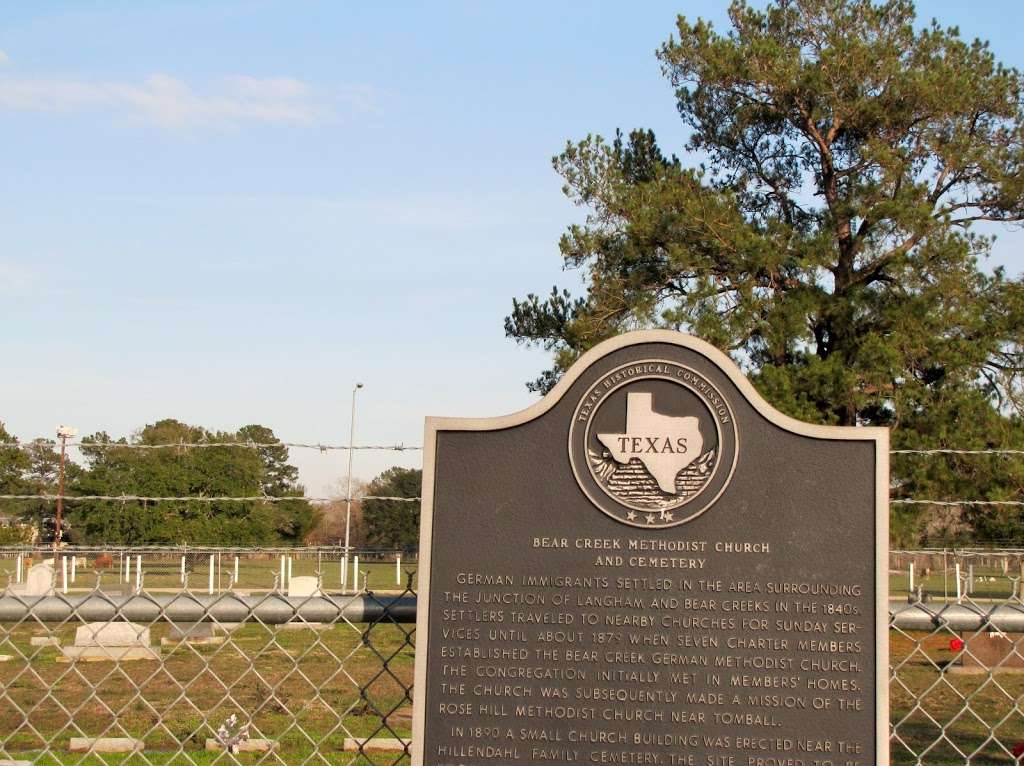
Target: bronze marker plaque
(652,566)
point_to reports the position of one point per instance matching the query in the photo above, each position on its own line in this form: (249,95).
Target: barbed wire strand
(207,445)
(957,452)
(208,498)
(270,499)
(394,447)
(953,503)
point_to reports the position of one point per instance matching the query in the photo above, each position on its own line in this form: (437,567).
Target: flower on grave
(956,644)
(230,738)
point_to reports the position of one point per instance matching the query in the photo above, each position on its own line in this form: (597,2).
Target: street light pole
(348,492)
(63,432)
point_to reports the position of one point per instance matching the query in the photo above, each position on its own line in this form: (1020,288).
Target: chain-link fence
(302,673)
(188,677)
(957,675)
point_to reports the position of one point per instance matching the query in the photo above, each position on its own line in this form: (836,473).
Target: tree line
(109,467)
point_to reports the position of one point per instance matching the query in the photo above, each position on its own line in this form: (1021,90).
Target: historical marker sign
(652,566)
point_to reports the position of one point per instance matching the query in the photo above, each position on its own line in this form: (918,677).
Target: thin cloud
(4,58)
(16,279)
(172,103)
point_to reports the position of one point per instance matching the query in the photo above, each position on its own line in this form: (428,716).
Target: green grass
(923,696)
(297,687)
(988,584)
(256,574)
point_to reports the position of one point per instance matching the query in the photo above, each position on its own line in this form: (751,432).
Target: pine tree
(828,238)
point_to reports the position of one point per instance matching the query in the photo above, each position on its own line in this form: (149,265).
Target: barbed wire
(394,447)
(207,445)
(952,503)
(207,498)
(275,499)
(956,452)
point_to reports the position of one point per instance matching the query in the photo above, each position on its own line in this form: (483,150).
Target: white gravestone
(38,581)
(98,641)
(303,586)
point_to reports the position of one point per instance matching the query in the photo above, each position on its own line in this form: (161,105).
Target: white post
(236,570)
(64,572)
(911,576)
(959,595)
(970,578)
(138,573)
(398,569)
(348,491)
(17,574)
(344,573)
(212,567)
(128,568)
(282,572)
(355,573)
(74,562)
(289,569)
(182,570)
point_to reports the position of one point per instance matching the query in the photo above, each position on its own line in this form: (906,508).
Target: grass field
(301,688)
(923,700)
(309,690)
(988,584)
(255,574)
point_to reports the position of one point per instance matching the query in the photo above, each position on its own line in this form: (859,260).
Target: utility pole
(348,492)
(64,433)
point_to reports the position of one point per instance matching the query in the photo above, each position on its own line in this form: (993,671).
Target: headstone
(105,745)
(304,586)
(195,633)
(38,581)
(244,746)
(652,565)
(984,651)
(44,641)
(376,744)
(106,641)
(301,587)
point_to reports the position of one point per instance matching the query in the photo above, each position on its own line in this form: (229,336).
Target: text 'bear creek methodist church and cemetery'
(693,582)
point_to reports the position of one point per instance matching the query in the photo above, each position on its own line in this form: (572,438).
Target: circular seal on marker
(653,443)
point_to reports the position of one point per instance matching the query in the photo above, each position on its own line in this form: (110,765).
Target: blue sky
(230,212)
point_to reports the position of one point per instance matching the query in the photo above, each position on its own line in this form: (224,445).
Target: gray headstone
(181,630)
(197,633)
